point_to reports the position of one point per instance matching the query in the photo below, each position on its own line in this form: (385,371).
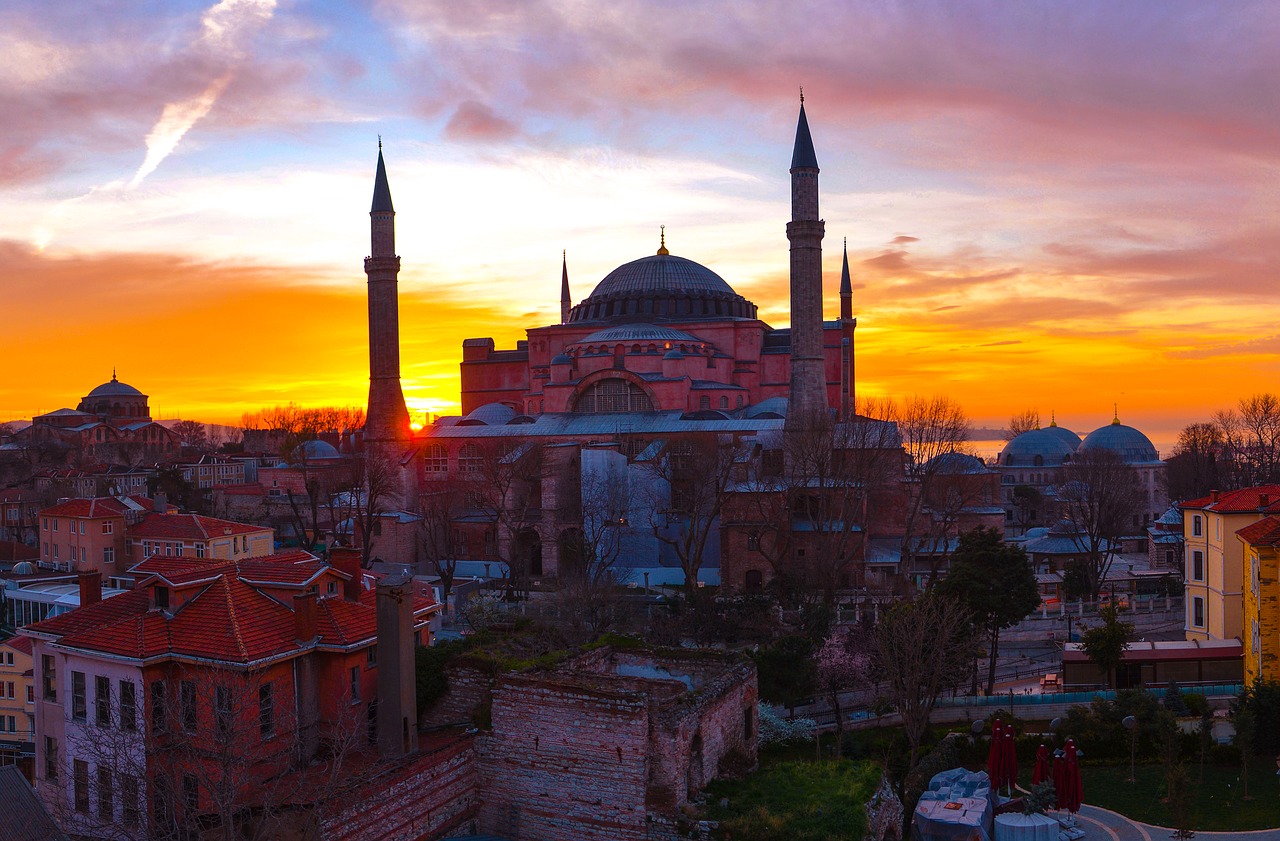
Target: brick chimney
(397,689)
(347,560)
(1264,500)
(304,617)
(90,588)
(160,504)
(1213,495)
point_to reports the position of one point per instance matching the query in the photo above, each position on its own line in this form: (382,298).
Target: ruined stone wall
(468,692)
(565,761)
(427,796)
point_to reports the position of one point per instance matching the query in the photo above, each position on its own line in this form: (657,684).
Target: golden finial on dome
(1115,417)
(1053,418)
(662,245)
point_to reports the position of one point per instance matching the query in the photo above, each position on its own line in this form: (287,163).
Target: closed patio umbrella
(1041,772)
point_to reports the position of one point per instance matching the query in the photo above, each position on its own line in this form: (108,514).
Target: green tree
(1105,644)
(787,672)
(994,583)
(1246,728)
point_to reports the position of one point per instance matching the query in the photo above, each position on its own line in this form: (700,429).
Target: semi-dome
(490,414)
(637,333)
(115,388)
(1125,441)
(770,407)
(662,287)
(1036,448)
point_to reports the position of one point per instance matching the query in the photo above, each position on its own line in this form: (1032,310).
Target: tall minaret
(386,423)
(848,390)
(565,303)
(808,378)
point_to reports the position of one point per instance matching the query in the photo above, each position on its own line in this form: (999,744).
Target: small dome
(1125,441)
(1036,448)
(773,407)
(315,449)
(561,359)
(24,568)
(956,464)
(115,388)
(490,414)
(674,353)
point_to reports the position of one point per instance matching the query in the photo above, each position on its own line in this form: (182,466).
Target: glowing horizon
(1039,215)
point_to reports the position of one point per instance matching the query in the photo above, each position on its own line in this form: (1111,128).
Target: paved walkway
(1105,825)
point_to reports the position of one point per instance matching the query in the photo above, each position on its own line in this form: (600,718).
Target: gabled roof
(1239,502)
(20,644)
(1265,532)
(25,817)
(101,506)
(189,527)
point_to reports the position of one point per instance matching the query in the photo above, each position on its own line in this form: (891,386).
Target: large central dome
(662,288)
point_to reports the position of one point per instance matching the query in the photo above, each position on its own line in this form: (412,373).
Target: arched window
(435,459)
(704,403)
(613,395)
(724,402)
(469,459)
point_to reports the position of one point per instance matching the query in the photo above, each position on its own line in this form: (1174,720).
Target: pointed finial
(1115,416)
(113,373)
(1053,418)
(802,94)
(379,143)
(662,246)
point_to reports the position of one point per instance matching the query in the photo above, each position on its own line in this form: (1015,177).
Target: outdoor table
(1015,826)
(969,819)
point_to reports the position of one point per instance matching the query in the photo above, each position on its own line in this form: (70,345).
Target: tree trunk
(995,654)
(835,707)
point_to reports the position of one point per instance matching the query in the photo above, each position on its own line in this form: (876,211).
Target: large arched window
(469,459)
(435,459)
(613,395)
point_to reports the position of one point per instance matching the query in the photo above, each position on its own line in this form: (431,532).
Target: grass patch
(795,801)
(1216,804)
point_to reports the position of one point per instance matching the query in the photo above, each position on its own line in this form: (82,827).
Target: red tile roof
(1239,502)
(189,527)
(1265,532)
(101,506)
(22,644)
(228,619)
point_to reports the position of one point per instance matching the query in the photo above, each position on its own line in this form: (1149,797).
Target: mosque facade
(111,423)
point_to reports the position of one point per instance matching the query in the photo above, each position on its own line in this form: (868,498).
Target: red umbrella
(1009,761)
(1041,772)
(1073,786)
(994,755)
(1059,777)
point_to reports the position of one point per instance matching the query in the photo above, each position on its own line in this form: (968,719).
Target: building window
(222,710)
(753,541)
(1197,526)
(106,794)
(129,798)
(1197,612)
(128,706)
(108,528)
(187,705)
(266,710)
(102,700)
(159,707)
(51,759)
(1197,566)
(80,782)
(435,459)
(470,459)
(190,795)
(371,655)
(199,550)
(109,555)
(48,677)
(613,395)
(704,403)
(79,704)
(355,683)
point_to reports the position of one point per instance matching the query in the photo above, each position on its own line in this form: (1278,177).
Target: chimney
(1213,495)
(304,617)
(1264,500)
(90,588)
(397,689)
(347,560)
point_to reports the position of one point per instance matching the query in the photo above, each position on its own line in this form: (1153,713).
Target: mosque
(1031,466)
(112,422)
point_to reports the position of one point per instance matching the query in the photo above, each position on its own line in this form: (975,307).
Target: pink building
(83,535)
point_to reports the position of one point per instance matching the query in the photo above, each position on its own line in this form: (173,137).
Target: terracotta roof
(22,644)
(1265,532)
(228,619)
(11,550)
(1241,501)
(189,527)
(102,506)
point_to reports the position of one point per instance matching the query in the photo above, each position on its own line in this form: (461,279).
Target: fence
(1070,698)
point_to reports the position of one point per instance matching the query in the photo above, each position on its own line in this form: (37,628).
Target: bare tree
(589,577)
(1192,470)
(931,427)
(922,648)
(506,487)
(375,489)
(691,481)
(1024,421)
(439,504)
(1100,495)
(192,434)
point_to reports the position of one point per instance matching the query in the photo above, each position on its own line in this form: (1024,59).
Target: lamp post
(1131,724)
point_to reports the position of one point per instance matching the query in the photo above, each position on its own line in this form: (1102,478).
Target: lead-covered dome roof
(115,388)
(662,287)
(1125,441)
(1036,448)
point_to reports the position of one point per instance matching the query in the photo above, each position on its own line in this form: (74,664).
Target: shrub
(777,730)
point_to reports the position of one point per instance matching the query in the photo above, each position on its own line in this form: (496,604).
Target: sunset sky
(1051,205)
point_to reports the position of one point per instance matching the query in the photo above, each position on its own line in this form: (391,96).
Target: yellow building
(17,705)
(1261,544)
(1214,576)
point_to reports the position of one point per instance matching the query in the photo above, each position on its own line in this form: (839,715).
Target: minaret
(565,303)
(805,230)
(848,383)
(386,423)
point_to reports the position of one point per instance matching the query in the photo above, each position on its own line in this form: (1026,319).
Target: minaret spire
(386,427)
(565,303)
(846,286)
(808,401)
